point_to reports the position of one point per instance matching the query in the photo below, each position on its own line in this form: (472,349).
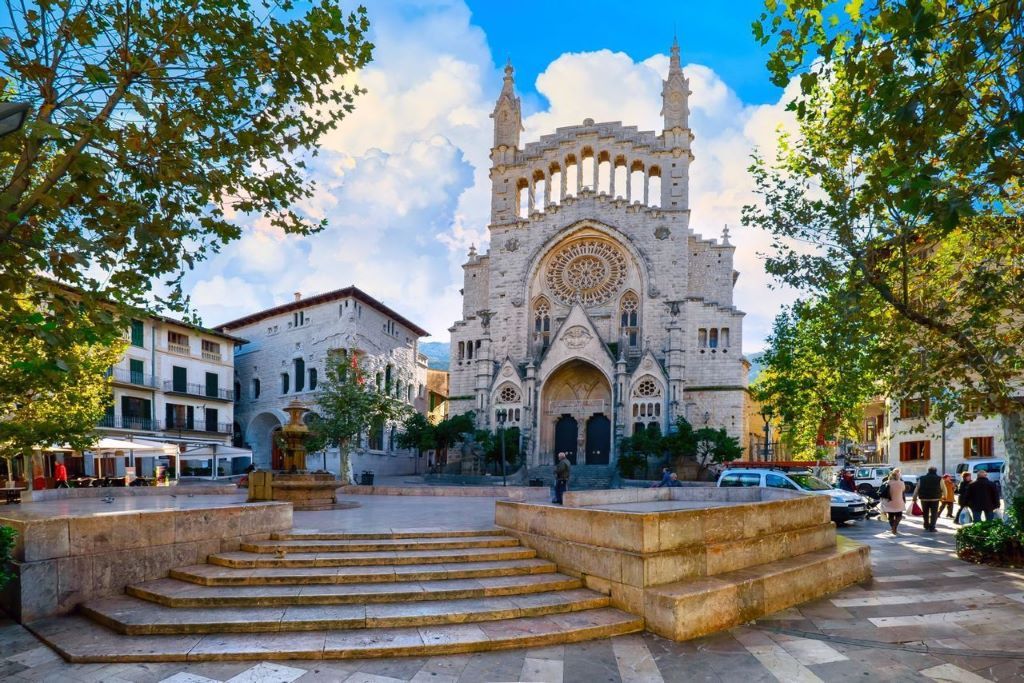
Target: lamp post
(12,116)
(766,415)
(500,415)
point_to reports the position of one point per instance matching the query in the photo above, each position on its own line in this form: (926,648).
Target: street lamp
(766,415)
(500,416)
(12,116)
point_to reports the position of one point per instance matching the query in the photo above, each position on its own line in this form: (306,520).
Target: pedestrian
(961,494)
(983,497)
(948,496)
(562,471)
(60,476)
(666,474)
(892,496)
(671,482)
(847,482)
(929,492)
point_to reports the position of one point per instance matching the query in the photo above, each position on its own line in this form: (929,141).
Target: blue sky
(716,34)
(403,182)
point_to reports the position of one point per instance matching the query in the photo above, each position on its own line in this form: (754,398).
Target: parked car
(870,477)
(995,468)
(846,506)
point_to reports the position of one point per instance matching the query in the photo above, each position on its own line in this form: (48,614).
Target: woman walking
(894,504)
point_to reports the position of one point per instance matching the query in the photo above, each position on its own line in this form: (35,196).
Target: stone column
(547,189)
(482,363)
(674,369)
(530,416)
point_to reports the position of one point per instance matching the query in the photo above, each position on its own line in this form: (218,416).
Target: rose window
(647,387)
(508,394)
(586,271)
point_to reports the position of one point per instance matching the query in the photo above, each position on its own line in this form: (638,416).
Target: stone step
(320,545)
(317,535)
(80,640)
(132,616)
(213,575)
(175,593)
(246,559)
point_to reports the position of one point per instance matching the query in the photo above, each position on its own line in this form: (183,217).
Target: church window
(542,323)
(572,176)
(636,410)
(462,350)
(702,338)
(587,170)
(586,271)
(300,374)
(654,187)
(713,338)
(284,382)
(508,394)
(723,337)
(555,174)
(540,191)
(523,198)
(647,387)
(604,173)
(619,175)
(469,349)
(636,182)
(255,387)
(388,385)
(629,319)
(312,379)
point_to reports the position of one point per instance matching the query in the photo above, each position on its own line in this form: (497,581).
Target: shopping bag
(965,517)
(916,510)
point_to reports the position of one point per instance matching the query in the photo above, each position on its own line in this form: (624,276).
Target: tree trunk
(345,474)
(1013,438)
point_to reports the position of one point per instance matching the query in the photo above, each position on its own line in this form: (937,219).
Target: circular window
(586,272)
(647,387)
(508,394)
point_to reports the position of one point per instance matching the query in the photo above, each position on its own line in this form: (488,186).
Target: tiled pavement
(925,617)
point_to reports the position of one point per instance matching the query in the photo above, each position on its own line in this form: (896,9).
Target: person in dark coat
(671,482)
(983,497)
(847,482)
(929,492)
(961,494)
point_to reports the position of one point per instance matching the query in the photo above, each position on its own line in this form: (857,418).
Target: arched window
(285,380)
(629,319)
(723,337)
(312,379)
(508,394)
(387,380)
(542,323)
(300,374)
(408,393)
(713,338)
(462,350)
(255,387)
(702,338)
(375,440)
(398,388)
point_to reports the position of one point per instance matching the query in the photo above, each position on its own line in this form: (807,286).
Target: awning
(108,444)
(209,451)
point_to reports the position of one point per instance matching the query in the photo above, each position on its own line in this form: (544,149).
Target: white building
(174,385)
(914,441)
(285,359)
(598,310)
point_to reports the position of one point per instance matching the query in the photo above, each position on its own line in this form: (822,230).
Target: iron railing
(198,390)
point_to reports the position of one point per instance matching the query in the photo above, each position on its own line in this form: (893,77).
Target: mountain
(755,365)
(437,353)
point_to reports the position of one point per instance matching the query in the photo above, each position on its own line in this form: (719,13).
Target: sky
(403,180)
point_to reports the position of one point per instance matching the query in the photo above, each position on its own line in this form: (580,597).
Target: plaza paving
(925,616)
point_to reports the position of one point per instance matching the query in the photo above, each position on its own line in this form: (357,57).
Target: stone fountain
(294,484)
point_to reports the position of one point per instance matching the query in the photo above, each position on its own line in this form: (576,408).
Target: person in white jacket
(895,504)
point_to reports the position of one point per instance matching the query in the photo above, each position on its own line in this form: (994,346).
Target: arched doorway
(599,439)
(570,397)
(260,436)
(276,452)
(566,437)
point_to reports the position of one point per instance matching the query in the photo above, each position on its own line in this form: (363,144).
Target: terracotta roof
(344,293)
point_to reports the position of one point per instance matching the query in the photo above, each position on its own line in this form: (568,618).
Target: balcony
(140,379)
(198,390)
(129,422)
(212,355)
(179,348)
(199,426)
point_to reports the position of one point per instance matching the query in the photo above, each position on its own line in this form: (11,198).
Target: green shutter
(180,382)
(137,371)
(138,333)
(211,384)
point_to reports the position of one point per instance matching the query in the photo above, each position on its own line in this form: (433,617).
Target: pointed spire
(675,93)
(507,115)
(725,236)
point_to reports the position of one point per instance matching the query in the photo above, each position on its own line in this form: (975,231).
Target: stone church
(597,311)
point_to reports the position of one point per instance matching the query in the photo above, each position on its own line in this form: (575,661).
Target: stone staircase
(581,477)
(306,595)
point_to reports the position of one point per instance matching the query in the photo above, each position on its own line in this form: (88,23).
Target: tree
(347,406)
(640,448)
(818,370)
(152,125)
(451,430)
(905,184)
(46,405)
(417,433)
(715,446)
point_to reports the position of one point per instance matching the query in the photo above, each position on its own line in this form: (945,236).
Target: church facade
(597,310)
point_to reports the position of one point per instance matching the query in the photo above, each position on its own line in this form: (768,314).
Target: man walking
(983,497)
(929,492)
(562,470)
(961,494)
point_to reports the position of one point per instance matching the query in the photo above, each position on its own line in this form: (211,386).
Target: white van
(995,468)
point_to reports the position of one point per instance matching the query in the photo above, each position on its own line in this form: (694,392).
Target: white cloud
(403,181)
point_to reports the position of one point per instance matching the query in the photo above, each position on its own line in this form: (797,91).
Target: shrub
(7,536)
(629,463)
(991,542)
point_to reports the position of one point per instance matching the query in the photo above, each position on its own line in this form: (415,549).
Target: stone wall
(62,561)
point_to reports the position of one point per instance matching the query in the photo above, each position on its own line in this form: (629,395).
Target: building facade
(285,359)
(598,310)
(174,384)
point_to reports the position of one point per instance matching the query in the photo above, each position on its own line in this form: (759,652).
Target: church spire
(675,93)
(508,120)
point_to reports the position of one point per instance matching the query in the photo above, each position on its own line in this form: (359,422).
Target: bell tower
(508,123)
(676,134)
